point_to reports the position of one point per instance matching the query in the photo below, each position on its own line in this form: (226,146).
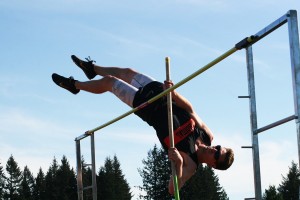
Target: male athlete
(192,136)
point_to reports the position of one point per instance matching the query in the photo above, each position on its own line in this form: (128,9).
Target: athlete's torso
(186,131)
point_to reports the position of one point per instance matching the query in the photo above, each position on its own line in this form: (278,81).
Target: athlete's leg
(96,86)
(118,87)
(127,74)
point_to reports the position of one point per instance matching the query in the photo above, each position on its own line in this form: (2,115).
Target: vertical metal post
(295,65)
(94,181)
(253,119)
(79,171)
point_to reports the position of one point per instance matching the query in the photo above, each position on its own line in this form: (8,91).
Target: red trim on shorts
(181,132)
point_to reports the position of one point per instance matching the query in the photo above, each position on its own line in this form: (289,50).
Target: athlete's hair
(227,162)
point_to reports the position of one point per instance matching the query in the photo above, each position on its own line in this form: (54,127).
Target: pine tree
(66,181)
(2,182)
(13,180)
(272,194)
(52,190)
(155,174)
(27,185)
(289,187)
(204,185)
(40,186)
(111,182)
(121,184)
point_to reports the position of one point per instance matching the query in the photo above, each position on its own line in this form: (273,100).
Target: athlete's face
(215,154)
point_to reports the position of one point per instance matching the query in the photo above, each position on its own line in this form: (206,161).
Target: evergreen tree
(52,190)
(40,186)
(272,194)
(27,185)
(289,187)
(111,182)
(121,184)
(13,180)
(2,181)
(155,174)
(66,181)
(204,185)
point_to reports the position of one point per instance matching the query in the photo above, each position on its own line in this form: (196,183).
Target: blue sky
(39,120)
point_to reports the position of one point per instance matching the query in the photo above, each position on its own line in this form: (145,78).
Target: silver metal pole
(94,181)
(295,64)
(253,119)
(79,171)
(279,122)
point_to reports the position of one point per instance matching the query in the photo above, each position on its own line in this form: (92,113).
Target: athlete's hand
(168,84)
(175,156)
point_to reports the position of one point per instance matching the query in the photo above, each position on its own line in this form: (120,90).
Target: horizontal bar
(271,27)
(246,147)
(287,119)
(88,187)
(201,70)
(241,97)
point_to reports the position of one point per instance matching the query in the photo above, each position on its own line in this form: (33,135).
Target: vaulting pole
(171,131)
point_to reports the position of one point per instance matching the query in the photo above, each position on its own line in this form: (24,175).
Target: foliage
(156,172)
(111,179)
(59,183)
(155,175)
(203,185)
(40,186)
(272,194)
(2,181)
(12,180)
(289,187)
(26,189)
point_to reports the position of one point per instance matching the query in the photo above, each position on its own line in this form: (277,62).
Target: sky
(39,121)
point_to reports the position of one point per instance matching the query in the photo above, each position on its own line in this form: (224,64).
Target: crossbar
(277,123)
(180,83)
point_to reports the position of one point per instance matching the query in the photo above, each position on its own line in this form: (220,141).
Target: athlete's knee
(129,71)
(109,80)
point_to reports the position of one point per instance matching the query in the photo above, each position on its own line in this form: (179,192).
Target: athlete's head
(224,157)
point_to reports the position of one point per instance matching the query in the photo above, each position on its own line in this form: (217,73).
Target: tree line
(59,182)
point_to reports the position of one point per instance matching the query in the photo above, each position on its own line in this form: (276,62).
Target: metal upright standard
(290,18)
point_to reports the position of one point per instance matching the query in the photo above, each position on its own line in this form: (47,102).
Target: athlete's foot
(86,66)
(66,83)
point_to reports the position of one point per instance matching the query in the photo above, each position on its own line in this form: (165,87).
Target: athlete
(192,137)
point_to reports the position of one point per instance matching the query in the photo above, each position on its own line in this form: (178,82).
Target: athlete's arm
(184,165)
(183,103)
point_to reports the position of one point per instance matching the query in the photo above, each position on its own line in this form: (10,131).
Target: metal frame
(290,18)
(80,187)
